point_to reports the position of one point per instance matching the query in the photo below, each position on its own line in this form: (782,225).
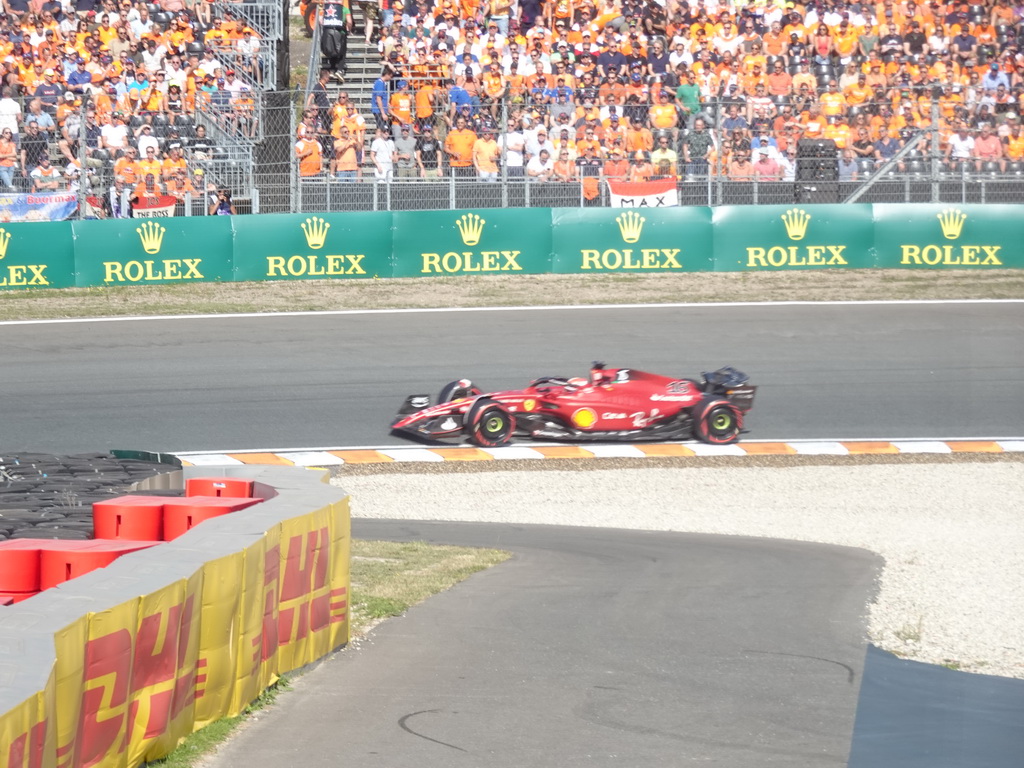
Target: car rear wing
(731,384)
(741,397)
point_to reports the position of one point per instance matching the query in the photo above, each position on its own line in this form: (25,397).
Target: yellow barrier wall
(129,681)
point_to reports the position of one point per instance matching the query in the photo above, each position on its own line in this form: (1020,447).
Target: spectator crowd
(563,90)
(116,84)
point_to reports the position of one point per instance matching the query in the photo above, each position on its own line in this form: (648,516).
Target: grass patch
(202,742)
(387,579)
(390,577)
(910,633)
(516,290)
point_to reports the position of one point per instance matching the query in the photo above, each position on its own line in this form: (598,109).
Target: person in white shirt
(382,150)
(679,55)
(539,143)
(960,147)
(787,162)
(210,63)
(513,145)
(466,67)
(540,167)
(145,139)
(142,24)
(249,45)
(176,74)
(727,40)
(45,177)
(10,112)
(153,57)
(73,174)
(114,135)
(540,63)
(232,84)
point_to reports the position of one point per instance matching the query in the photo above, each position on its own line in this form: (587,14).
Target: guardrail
(508,241)
(113,667)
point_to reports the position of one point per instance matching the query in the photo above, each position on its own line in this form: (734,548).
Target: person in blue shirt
(994,78)
(48,92)
(79,77)
(611,62)
(137,80)
(379,98)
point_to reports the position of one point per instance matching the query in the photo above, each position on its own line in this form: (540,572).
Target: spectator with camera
(221,204)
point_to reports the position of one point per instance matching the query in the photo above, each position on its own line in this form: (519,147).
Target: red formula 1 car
(614,404)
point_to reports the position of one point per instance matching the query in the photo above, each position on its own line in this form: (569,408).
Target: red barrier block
(231,487)
(135,518)
(182,515)
(61,563)
(19,566)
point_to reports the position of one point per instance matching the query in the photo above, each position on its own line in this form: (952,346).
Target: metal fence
(921,172)
(269,20)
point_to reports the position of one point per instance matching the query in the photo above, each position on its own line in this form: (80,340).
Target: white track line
(545,308)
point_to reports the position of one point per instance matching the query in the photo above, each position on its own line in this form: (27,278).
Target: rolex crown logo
(315,230)
(952,222)
(5,240)
(470,227)
(631,224)
(796,220)
(152,236)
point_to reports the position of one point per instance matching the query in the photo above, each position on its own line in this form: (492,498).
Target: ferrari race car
(613,404)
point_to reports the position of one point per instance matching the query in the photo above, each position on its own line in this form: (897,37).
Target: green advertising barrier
(526,241)
(486,242)
(949,236)
(323,246)
(774,237)
(153,251)
(26,263)
(650,240)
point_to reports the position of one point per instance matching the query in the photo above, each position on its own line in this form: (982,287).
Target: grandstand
(820,102)
(156,101)
(763,102)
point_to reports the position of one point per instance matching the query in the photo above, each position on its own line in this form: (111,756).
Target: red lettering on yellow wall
(306,569)
(104,696)
(271,576)
(34,740)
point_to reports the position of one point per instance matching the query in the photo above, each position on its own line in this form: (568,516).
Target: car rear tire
(489,423)
(456,390)
(718,422)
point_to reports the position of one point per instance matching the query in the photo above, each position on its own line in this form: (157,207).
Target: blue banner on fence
(55,206)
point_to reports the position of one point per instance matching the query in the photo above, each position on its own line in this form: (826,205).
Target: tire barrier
(43,496)
(114,666)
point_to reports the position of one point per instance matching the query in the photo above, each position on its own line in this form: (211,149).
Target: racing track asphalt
(839,371)
(593,647)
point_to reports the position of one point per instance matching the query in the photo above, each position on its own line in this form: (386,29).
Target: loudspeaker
(821,192)
(817,160)
(817,169)
(823,148)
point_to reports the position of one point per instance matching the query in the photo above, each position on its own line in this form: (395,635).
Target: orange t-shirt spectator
(310,157)
(459,145)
